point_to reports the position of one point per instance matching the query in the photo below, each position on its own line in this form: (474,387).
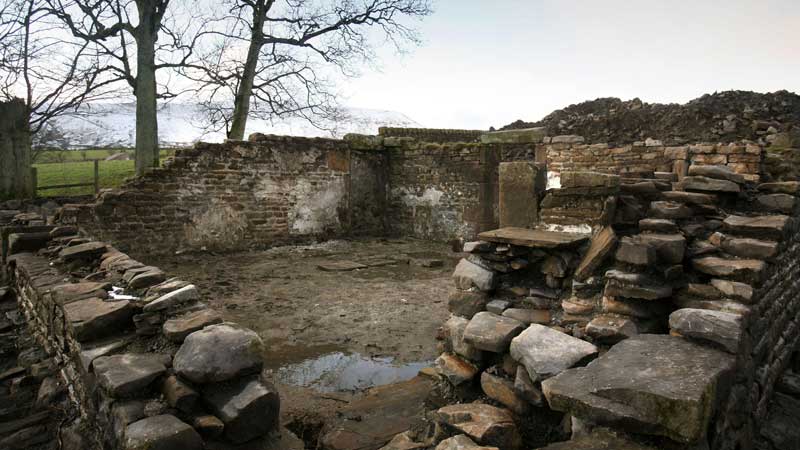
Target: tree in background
(267,58)
(44,73)
(127,32)
(52,72)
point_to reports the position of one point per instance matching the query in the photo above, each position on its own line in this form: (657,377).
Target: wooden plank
(533,238)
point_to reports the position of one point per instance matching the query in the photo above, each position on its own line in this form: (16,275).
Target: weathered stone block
(249,408)
(490,332)
(219,353)
(164,432)
(648,384)
(722,328)
(547,352)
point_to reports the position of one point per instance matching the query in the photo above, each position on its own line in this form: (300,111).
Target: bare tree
(44,73)
(128,32)
(270,56)
(50,70)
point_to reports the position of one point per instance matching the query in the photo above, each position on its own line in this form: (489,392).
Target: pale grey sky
(487,63)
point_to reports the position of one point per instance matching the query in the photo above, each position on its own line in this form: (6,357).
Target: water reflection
(338,371)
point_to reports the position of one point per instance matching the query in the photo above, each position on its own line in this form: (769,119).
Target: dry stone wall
(671,319)
(275,190)
(146,363)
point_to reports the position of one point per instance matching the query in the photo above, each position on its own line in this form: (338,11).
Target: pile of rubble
(634,326)
(146,362)
(719,117)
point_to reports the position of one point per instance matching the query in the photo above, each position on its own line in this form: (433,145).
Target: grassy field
(69,167)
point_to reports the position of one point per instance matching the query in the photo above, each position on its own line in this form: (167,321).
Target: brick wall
(238,195)
(446,191)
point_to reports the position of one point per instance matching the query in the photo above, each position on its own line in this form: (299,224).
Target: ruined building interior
(416,289)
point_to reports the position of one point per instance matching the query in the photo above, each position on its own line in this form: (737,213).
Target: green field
(69,167)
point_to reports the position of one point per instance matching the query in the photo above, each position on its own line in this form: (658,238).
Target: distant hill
(181,124)
(719,117)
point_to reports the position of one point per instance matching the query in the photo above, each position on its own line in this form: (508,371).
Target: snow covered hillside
(181,124)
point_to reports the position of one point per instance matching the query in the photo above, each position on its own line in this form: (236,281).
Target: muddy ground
(330,335)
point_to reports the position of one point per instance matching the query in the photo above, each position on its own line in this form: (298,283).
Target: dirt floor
(331,334)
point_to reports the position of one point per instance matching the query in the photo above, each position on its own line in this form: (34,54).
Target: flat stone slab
(490,332)
(746,270)
(177,329)
(635,285)
(164,432)
(248,408)
(485,424)
(371,421)
(70,292)
(147,279)
(219,353)
(340,266)
(87,250)
(88,355)
(533,238)
(705,184)
(94,318)
(128,374)
(769,227)
(648,384)
(716,172)
(690,198)
(546,352)
(721,328)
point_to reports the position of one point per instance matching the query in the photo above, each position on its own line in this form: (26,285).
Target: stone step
(647,384)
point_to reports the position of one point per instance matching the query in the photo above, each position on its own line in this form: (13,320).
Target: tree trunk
(241,103)
(145,90)
(15,151)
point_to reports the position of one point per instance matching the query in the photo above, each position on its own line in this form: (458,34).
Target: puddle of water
(334,372)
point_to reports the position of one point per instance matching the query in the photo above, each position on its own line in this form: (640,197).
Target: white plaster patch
(316,211)
(580,229)
(553,180)
(429,197)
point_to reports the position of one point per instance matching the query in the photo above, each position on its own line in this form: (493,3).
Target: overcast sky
(487,63)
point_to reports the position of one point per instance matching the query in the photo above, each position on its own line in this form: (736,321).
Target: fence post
(96,176)
(34,182)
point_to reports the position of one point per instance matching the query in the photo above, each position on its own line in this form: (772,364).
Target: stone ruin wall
(277,190)
(274,190)
(712,258)
(113,355)
(239,195)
